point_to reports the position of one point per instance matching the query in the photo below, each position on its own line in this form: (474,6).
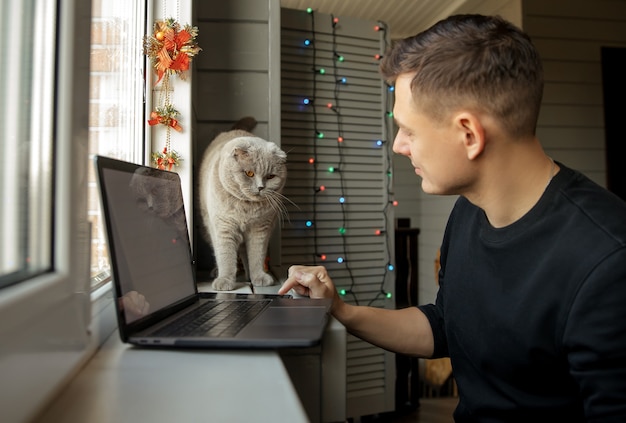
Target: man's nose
(399,146)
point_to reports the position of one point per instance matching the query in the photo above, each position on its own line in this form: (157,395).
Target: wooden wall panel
(244,49)
(569,36)
(235,76)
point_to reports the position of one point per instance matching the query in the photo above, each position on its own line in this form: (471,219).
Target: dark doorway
(614,89)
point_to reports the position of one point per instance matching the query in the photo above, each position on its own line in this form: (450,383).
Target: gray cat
(241,177)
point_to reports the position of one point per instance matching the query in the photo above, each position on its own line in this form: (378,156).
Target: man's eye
(249,173)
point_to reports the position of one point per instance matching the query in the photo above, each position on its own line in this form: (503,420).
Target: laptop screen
(148,238)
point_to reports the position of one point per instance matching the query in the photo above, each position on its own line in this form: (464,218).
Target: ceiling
(403,17)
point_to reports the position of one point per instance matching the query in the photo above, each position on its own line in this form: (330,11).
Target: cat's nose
(261,188)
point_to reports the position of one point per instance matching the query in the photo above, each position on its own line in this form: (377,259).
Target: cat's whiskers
(284,198)
(275,200)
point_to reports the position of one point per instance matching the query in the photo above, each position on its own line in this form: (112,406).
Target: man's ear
(472,133)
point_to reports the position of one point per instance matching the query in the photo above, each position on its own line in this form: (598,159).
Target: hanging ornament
(165,116)
(171,49)
(166,159)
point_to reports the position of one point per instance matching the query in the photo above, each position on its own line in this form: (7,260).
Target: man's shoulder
(584,200)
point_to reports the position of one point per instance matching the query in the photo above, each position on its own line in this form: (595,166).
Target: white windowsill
(117,382)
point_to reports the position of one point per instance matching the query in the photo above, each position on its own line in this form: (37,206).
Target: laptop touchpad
(288,316)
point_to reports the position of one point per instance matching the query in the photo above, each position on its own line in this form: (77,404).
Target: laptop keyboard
(216,318)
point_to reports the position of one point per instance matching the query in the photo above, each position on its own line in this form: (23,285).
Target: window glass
(27,36)
(117,90)
(116,122)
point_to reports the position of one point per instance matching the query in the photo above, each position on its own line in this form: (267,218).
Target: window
(116,123)
(72,84)
(44,299)
(26,90)
(116,102)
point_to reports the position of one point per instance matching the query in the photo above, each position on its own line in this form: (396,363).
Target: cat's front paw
(262,279)
(223,284)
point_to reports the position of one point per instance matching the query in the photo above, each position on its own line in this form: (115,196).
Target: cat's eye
(249,173)
(271,176)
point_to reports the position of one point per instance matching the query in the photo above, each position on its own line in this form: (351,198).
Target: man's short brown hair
(472,61)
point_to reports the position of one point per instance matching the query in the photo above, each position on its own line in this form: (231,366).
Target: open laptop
(157,300)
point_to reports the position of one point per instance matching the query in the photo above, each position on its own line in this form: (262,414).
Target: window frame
(52,323)
(138,148)
(49,314)
(26,227)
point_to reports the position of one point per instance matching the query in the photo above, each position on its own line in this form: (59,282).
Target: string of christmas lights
(336,108)
(316,188)
(388,131)
(318,136)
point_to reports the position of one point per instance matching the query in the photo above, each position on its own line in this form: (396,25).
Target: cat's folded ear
(281,155)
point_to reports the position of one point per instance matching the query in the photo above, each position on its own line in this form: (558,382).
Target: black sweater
(533,315)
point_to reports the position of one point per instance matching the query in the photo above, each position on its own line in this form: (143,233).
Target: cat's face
(257,167)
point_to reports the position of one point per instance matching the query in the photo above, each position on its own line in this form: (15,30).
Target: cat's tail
(247,123)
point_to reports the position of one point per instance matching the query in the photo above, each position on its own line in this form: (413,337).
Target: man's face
(432,146)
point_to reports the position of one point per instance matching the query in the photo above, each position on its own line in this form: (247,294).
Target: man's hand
(309,281)
(406,331)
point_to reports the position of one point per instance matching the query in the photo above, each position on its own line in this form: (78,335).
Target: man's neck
(510,186)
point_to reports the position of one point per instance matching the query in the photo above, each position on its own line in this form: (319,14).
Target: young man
(531,307)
